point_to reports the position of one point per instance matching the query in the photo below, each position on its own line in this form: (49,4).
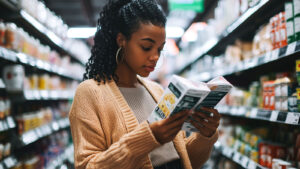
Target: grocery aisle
(254,44)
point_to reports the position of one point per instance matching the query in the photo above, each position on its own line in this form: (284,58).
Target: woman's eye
(146,48)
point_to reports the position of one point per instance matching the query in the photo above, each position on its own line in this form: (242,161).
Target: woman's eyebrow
(152,41)
(149,39)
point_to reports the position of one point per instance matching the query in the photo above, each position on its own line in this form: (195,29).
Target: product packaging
(183,94)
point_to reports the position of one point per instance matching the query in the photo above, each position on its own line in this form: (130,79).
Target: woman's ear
(121,40)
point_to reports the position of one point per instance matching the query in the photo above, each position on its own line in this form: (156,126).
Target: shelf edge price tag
(292,118)
(274,115)
(236,157)
(253,113)
(275,54)
(11,123)
(252,165)
(244,161)
(291,48)
(267,57)
(242,111)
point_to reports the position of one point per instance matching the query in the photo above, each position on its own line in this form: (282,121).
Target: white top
(142,104)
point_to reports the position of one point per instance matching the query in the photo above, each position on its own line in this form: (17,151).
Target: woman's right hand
(165,130)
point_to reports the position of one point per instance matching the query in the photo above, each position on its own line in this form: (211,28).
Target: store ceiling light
(81,32)
(174,32)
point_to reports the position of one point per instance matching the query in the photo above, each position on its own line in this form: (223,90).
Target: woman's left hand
(206,123)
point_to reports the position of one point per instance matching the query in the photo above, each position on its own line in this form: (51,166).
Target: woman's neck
(127,78)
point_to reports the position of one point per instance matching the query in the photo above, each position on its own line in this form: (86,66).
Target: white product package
(183,94)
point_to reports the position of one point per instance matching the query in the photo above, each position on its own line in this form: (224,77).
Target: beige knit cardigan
(107,135)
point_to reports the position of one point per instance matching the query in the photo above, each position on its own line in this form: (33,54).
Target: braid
(121,16)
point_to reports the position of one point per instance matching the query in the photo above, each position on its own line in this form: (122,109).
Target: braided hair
(121,16)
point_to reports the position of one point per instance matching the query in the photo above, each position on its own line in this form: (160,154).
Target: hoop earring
(117,55)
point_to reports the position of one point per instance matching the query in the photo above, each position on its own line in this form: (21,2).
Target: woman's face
(142,51)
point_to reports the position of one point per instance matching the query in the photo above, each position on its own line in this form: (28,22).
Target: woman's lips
(149,68)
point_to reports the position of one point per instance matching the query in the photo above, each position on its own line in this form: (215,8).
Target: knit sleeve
(90,145)
(199,148)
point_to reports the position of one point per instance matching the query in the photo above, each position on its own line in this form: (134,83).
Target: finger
(177,123)
(173,132)
(215,112)
(202,129)
(195,124)
(200,115)
(206,124)
(177,116)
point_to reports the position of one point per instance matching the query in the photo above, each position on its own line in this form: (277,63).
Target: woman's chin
(144,74)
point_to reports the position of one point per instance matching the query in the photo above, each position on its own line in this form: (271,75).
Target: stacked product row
(279,32)
(278,91)
(51,21)
(270,146)
(47,150)
(16,79)
(16,39)
(37,117)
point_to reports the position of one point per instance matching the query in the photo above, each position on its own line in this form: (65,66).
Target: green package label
(297,28)
(296,7)
(290,31)
(288,7)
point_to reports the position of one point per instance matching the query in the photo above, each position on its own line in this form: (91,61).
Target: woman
(110,109)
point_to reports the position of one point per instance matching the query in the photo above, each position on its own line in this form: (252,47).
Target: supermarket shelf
(46,34)
(273,56)
(12,161)
(209,45)
(19,16)
(48,94)
(58,161)
(36,63)
(7,124)
(291,118)
(8,162)
(237,157)
(45,130)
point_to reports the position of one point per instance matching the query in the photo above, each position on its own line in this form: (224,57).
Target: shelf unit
(27,60)
(45,34)
(237,157)
(276,55)
(48,94)
(13,13)
(244,72)
(291,118)
(229,31)
(66,155)
(12,161)
(8,162)
(37,29)
(43,131)
(7,124)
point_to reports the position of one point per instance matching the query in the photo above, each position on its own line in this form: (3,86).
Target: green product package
(289,18)
(297,19)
